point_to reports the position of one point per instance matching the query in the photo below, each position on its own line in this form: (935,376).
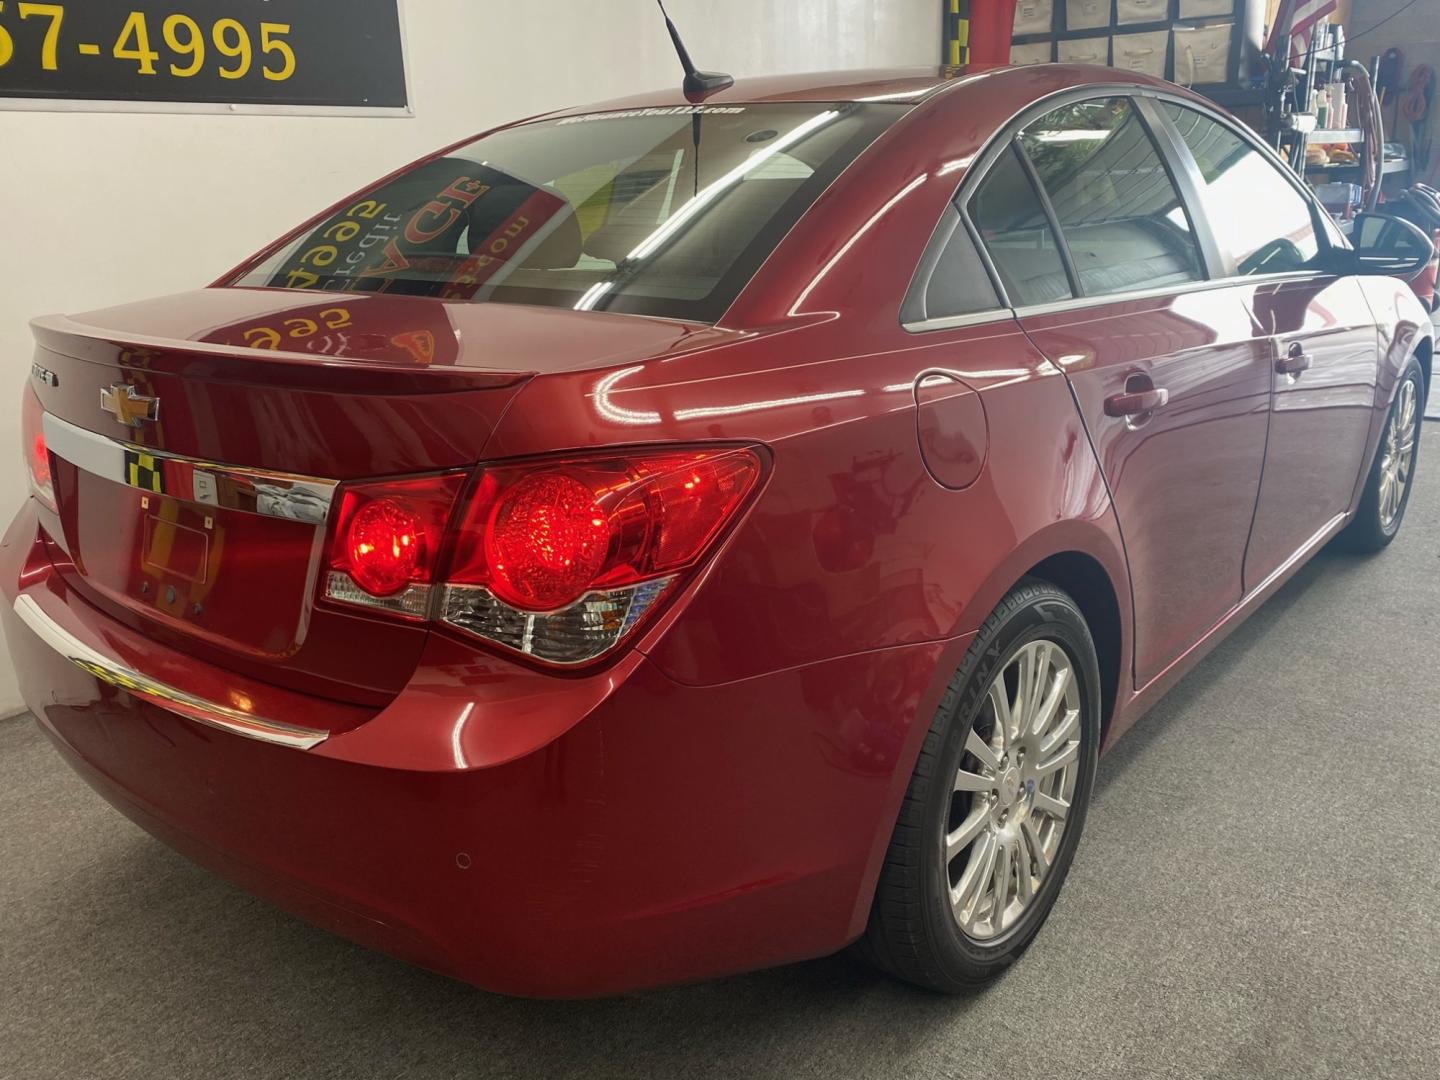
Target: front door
(1318,328)
(1326,368)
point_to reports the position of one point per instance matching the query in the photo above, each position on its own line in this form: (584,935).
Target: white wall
(105,208)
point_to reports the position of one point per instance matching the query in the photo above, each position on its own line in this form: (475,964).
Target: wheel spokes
(1000,706)
(1024,685)
(969,830)
(1024,876)
(1067,727)
(1037,847)
(1395,466)
(1000,886)
(1407,406)
(982,751)
(1014,789)
(1067,754)
(965,897)
(1055,807)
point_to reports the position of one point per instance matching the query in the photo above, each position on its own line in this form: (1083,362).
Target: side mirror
(1389,247)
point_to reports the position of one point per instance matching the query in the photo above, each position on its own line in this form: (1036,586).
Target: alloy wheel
(1399,455)
(1013,790)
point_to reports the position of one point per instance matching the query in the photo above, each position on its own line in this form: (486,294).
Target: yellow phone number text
(189,44)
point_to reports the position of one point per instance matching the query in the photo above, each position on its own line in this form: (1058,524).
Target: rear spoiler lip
(67,336)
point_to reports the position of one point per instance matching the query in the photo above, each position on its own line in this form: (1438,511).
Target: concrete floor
(1255,897)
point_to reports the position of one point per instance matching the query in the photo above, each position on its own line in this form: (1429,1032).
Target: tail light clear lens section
(558,559)
(36,453)
(386,546)
(585,630)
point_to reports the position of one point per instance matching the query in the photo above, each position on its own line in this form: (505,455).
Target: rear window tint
(663,212)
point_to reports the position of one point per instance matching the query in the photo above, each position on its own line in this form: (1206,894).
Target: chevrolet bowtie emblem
(128,407)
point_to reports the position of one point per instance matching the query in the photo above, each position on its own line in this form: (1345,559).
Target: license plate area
(172,549)
(225,554)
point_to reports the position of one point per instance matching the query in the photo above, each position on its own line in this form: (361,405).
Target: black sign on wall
(227,55)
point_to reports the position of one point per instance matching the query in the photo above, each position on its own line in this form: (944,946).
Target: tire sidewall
(1054,616)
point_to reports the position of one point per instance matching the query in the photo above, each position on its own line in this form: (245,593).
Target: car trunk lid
(198,444)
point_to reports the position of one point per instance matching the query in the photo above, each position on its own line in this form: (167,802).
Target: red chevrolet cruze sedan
(664,539)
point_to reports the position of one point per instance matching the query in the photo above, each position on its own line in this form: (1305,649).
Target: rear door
(1109,274)
(1317,326)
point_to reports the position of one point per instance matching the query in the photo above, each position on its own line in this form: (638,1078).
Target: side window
(1265,223)
(959,284)
(1016,233)
(1116,205)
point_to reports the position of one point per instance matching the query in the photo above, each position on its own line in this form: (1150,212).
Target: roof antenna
(698,84)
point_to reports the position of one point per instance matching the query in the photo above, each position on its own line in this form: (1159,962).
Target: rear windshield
(666,211)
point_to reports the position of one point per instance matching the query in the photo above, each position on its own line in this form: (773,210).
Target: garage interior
(1255,896)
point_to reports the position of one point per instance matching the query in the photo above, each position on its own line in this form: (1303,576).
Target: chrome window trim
(230,487)
(954,322)
(115,672)
(1080,302)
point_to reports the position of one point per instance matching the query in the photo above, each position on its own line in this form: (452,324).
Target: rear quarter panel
(852,545)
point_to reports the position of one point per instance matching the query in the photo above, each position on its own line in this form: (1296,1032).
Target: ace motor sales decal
(256,54)
(405,237)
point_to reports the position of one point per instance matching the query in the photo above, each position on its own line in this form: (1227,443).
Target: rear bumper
(546,839)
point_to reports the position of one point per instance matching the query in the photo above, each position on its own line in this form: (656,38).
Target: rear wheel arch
(1089,585)
(1082,559)
(1085,559)
(1425,353)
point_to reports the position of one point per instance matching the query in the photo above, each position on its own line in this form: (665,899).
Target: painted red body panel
(1185,528)
(719,795)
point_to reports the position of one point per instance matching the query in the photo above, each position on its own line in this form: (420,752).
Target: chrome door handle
(1136,403)
(1294,361)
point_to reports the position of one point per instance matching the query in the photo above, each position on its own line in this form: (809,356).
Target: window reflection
(1117,207)
(1257,215)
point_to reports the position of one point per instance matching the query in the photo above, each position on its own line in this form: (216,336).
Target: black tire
(1369,530)
(913,933)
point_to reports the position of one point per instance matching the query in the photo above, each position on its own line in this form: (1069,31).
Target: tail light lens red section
(388,539)
(36,453)
(557,559)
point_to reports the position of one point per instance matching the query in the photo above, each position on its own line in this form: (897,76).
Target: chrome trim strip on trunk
(229,487)
(117,673)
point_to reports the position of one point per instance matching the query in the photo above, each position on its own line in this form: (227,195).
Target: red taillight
(540,536)
(545,542)
(557,559)
(40,460)
(386,546)
(37,454)
(693,501)
(387,542)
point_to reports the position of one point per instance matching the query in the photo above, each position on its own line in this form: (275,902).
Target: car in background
(674,537)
